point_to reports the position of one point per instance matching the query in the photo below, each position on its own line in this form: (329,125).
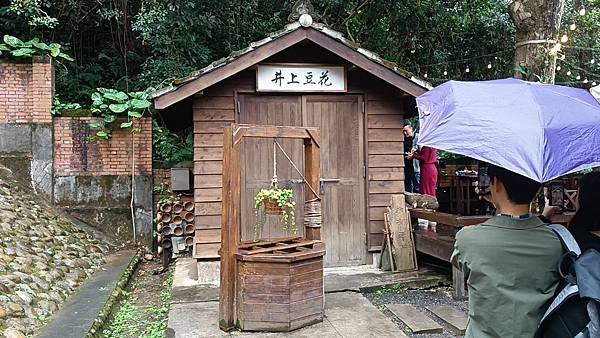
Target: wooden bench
(440,244)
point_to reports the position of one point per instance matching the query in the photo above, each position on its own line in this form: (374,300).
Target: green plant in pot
(276,201)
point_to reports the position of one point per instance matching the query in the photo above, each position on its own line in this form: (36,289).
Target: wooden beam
(280,247)
(264,131)
(380,71)
(232,68)
(229,241)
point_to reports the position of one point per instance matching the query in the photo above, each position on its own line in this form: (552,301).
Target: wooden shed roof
(276,42)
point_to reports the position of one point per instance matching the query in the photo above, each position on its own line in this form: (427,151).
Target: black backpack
(574,312)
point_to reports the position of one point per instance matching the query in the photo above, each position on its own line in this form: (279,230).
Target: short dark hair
(520,189)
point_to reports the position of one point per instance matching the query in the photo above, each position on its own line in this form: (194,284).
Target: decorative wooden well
(274,285)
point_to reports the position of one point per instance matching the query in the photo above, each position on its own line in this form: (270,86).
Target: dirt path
(144,307)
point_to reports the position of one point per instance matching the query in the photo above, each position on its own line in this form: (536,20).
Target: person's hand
(550,210)
(483,194)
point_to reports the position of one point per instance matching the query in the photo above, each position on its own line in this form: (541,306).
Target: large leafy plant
(112,104)
(285,200)
(14,47)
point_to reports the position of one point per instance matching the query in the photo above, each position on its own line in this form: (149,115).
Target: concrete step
(450,315)
(417,321)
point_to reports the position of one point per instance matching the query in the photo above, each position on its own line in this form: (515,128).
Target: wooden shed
(301,76)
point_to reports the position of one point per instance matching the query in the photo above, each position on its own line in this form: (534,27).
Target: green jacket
(512,268)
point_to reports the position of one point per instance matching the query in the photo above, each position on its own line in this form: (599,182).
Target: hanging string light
(564,38)
(569,73)
(592,61)
(572,27)
(585,80)
(582,10)
(445,72)
(489,66)
(425,75)
(467,70)
(557,67)
(578,77)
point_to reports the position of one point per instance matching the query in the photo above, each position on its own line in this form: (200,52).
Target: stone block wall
(26,90)
(93,178)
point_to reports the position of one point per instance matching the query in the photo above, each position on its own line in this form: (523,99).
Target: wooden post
(229,228)
(458,283)
(312,172)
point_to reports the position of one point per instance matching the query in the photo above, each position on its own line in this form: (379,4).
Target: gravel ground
(419,299)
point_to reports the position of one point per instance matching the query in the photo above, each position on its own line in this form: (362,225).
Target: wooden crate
(279,285)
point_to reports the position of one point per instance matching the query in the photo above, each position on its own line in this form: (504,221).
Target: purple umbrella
(538,130)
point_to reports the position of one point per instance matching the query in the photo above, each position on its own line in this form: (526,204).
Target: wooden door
(257,160)
(342,173)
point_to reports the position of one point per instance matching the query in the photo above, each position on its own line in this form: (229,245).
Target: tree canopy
(133,44)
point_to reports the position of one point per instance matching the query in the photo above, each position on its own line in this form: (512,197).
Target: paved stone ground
(347,314)
(79,312)
(194,306)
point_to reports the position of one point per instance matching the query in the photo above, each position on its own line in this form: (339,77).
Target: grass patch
(396,288)
(136,319)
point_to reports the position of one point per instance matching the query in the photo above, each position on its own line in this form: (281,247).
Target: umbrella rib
(543,138)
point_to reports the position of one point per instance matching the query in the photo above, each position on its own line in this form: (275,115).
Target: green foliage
(111,105)
(170,148)
(121,323)
(396,288)
(59,107)
(33,12)
(165,194)
(132,320)
(14,47)
(285,200)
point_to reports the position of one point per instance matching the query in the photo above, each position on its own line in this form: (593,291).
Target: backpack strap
(567,292)
(568,241)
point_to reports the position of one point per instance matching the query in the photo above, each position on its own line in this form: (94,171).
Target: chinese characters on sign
(307,78)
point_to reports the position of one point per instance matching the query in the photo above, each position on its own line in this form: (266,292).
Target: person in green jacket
(511,262)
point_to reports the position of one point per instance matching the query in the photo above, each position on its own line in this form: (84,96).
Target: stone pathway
(347,314)
(44,257)
(77,316)
(194,305)
(430,313)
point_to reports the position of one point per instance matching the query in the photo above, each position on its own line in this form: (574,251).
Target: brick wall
(75,154)
(26,92)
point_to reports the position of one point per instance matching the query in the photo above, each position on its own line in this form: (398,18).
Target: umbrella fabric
(541,131)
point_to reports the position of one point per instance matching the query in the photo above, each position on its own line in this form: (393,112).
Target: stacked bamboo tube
(175,221)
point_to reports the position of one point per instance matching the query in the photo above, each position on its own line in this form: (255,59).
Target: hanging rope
(274,179)
(312,213)
(293,165)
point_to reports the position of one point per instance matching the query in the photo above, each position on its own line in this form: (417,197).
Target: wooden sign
(300,78)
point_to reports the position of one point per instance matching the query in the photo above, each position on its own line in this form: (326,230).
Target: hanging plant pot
(272,207)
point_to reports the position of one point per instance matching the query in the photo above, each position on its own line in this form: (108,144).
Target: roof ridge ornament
(303,12)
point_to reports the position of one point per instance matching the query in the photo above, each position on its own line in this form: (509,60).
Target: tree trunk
(538,24)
